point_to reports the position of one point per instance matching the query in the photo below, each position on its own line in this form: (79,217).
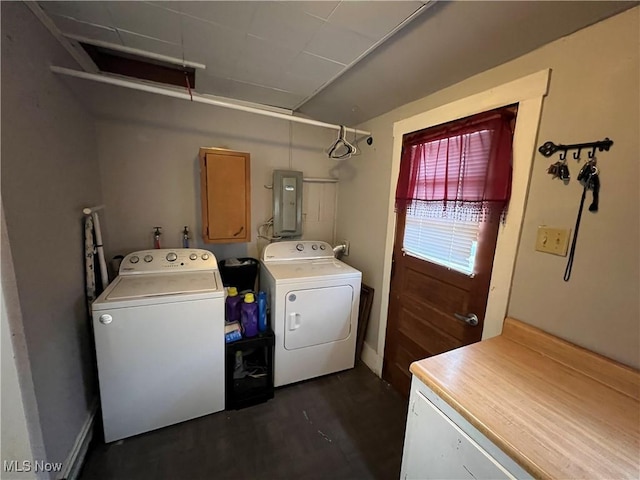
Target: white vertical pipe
(100,249)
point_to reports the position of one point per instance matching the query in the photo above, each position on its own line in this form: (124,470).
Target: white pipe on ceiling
(194,97)
(136,51)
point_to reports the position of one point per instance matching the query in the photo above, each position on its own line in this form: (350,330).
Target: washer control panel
(162,260)
(297,250)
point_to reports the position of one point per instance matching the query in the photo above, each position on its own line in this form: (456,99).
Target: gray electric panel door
(287,203)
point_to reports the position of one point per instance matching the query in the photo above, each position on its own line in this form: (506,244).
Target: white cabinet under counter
(522,405)
(441,444)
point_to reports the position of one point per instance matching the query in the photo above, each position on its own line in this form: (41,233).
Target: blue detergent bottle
(232,305)
(249,316)
(262,312)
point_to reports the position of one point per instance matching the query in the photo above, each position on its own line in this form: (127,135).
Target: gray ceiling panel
(91,12)
(376,19)
(301,53)
(88,30)
(146,19)
(451,42)
(339,44)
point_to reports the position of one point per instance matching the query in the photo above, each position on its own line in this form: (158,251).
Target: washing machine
(314,301)
(159,339)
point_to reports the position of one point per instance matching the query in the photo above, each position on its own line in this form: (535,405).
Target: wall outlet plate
(553,240)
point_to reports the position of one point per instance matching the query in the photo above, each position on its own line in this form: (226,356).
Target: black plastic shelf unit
(256,386)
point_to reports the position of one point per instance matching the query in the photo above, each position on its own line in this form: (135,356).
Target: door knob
(470,319)
(106,319)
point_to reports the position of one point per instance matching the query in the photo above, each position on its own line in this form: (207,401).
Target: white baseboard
(74,461)
(371,359)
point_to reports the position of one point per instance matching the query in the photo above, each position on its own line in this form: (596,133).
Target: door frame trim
(528,92)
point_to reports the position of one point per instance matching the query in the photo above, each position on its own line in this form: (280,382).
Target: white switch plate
(553,240)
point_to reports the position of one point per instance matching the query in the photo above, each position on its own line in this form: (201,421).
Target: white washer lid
(311,269)
(153,285)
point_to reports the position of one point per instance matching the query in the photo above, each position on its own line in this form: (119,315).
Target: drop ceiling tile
(339,44)
(299,84)
(307,65)
(88,30)
(204,40)
(248,72)
(146,19)
(262,62)
(275,22)
(150,44)
(373,19)
(219,66)
(91,12)
(236,15)
(213,84)
(263,52)
(265,96)
(318,9)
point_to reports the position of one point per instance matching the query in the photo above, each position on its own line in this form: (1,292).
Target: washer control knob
(134,259)
(205,256)
(322,247)
(314,247)
(171,257)
(300,247)
(148,258)
(193,256)
(106,319)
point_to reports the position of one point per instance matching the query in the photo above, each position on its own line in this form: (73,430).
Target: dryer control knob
(148,258)
(171,257)
(322,247)
(314,247)
(300,247)
(134,259)
(106,319)
(205,256)
(193,256)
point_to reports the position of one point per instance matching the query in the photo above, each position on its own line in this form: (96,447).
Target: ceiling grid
(338,61)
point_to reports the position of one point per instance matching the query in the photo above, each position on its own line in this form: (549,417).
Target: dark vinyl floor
(348,425)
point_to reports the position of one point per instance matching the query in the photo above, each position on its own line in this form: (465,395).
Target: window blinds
(446,241)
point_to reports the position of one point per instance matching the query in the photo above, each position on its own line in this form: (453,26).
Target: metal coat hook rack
(549,148)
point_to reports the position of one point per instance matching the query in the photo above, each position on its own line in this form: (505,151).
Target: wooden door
(226,193)
(424,299)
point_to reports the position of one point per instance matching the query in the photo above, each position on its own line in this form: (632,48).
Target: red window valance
(462,168)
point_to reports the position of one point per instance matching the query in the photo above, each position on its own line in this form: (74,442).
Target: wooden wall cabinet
(225,180)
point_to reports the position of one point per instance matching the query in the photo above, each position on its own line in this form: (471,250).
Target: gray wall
(593,93)
(49,173)
(148,154)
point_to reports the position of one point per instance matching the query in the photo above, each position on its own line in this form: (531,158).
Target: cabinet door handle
(238,232)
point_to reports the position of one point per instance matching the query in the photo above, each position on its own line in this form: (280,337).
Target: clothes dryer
(314,301)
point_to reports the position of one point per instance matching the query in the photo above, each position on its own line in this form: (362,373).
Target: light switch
(553,240)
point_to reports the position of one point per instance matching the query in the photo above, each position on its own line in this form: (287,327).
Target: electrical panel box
(287,203)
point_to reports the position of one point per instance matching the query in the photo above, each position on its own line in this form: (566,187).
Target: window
(451,179)
(445,241)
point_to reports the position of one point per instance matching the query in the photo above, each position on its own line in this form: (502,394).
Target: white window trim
(528,92)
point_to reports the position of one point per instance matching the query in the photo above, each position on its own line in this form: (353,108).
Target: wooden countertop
(558,410)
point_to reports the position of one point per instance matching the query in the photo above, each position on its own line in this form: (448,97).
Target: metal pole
(195,98)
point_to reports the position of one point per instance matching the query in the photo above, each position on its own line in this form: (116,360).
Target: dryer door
(317,315)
